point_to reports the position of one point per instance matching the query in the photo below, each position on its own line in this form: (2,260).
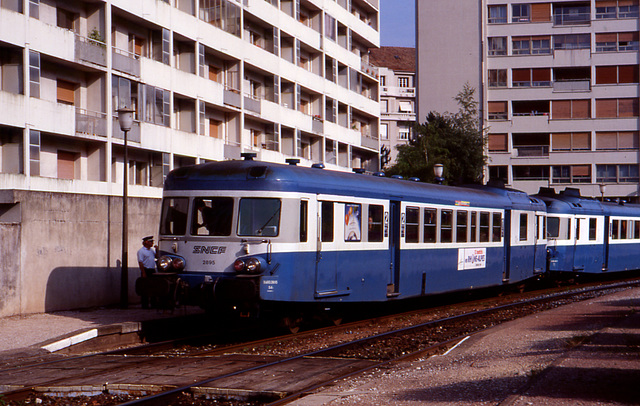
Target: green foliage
(97,37)
(454,140)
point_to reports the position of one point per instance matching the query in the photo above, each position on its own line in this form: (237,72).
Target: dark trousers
(144,298)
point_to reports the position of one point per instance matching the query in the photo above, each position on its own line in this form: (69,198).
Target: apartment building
(207,80)
(396,71)
(558,86)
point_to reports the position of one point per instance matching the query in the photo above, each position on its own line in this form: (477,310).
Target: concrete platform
(586,353)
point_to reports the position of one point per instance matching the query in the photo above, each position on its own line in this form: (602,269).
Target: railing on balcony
(532,113)
(132,135)
(91,122)
(577,85)
(126,61)
(90,50)
(572,17)
(532,150)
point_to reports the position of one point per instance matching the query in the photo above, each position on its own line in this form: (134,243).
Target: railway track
(272,370)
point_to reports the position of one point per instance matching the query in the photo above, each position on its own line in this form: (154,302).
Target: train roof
(569,201)
(256,175)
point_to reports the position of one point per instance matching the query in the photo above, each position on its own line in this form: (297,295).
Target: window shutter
(66,91)
(606,37)
(628,107)
(606,75)
(541,74)
(581,141)
(580,170)
(606,3)
(66,165)
(628,74)
(628,140)
(540,12)
(521,75)
(580,108)
(497,107)
(561,141)
(627,36)
(606,140)
(606,108)
(561,109)
(623,3)
(498,142)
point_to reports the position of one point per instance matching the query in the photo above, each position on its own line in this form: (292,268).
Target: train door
(580,249)
(326,250)
(607,240)
(508,254)
(393,288)
(540,247)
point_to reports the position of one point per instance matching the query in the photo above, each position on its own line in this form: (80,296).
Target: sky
(397,23)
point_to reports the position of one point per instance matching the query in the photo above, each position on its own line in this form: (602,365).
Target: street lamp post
(603,188)
(125,119)
(438,170)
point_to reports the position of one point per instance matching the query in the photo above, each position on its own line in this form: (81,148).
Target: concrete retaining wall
(61,251)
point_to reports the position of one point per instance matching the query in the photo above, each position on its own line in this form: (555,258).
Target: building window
(403,134)
(405,107)
(622,74)
(384,132)
(65,91)
(579,141)
(499,173)
(571,14)
(403,81)
(536,77)
(65,19)
(617,108)
(66,164)
(572,174)
(624,173)
(572,41)
(570,109)
(497,46)
(498,110)
(497,14)
(329,27)
(497,78)
(384,106)
(498,143)
(520,13)
(612,140)
(34,74)
(383,80)
(530,172)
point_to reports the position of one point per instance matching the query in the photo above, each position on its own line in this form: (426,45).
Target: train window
(212,216)
(446,225)
(352,222)
(553,227)
(615,227)
(174,216)
(484,226)
(413,224)
(623,229)
(578,221)
(430,225)
(461,226)
(375,223)
(259,217)
(497,227)
(304,216)
(524,221)
(474,226)
(327,222)
(636,230)
(592,229)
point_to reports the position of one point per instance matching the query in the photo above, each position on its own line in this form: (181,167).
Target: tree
(454,140)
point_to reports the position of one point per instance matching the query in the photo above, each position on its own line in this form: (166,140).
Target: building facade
(396,70)
(558,86)
(207,80)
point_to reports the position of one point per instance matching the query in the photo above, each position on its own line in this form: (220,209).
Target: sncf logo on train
(209,249)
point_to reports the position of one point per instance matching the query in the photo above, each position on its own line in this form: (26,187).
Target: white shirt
(148,257)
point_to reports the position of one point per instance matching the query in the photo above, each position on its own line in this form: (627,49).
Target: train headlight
(164,263)
(253,265)
(239,265)
(247,266)
(178,264)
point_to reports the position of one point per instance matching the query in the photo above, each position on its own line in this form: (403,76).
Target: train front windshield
(213,216)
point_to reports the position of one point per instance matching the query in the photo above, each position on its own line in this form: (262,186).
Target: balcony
(90,50)
(91,122)
(532,150)
(126,62)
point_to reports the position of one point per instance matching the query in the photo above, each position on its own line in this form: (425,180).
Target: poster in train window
(352,222)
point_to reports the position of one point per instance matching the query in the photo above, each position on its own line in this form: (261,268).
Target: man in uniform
(147,263)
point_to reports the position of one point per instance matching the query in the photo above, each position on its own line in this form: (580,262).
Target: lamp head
(438,169)
(125,118)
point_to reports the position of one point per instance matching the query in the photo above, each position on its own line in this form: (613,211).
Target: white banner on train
(472,258)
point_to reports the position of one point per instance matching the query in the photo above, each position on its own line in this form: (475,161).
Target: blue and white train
(251,237)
